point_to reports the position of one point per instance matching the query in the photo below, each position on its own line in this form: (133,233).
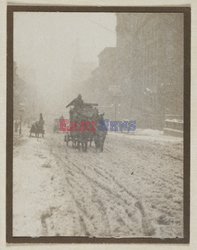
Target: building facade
(145,68)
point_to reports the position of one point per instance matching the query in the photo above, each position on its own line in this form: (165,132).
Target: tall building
(145,68)
(150,47)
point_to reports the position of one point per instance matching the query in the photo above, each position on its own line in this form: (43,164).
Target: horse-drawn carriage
(37,128)
(86,125)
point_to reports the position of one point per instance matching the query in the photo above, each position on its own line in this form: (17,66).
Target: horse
(100,133)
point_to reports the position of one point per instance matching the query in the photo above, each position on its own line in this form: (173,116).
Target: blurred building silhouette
(142,77)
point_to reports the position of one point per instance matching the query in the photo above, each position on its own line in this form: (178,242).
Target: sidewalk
(148,134)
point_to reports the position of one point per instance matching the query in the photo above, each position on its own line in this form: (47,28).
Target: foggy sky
(45,45)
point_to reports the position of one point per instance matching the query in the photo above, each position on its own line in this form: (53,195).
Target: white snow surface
(133,189)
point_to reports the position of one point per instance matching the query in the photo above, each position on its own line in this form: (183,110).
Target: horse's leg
(66,139)
(78,144)
(98,143)
(83,145)
(86,145)
(73,142)
(101,145)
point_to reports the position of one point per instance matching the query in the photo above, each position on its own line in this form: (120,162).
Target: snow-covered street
(133,189)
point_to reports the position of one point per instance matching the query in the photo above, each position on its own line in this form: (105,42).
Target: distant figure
(41,118)
(38,127)
(41,121)
(16,126)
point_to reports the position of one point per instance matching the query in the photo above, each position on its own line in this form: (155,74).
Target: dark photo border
(11,9)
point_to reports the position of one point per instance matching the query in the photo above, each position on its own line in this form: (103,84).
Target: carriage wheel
(66,139)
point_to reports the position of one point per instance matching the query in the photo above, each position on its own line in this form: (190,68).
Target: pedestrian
(15,126)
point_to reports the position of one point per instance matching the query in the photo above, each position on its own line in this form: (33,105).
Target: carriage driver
(77,102)
(41,119)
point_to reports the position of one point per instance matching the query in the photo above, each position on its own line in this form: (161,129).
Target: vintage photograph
(98,124)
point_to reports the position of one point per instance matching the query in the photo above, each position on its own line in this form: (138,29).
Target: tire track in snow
(107,190)
(80,206)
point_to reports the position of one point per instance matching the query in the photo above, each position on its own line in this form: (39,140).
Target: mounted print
(98,124)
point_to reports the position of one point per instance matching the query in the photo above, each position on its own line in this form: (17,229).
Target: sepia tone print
(98,125)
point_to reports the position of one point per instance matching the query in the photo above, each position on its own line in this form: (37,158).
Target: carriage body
(37,129)
(81,136)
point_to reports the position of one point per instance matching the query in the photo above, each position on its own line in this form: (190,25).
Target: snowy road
(133,189)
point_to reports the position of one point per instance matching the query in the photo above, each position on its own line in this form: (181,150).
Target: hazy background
(130,64)
(47,47)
